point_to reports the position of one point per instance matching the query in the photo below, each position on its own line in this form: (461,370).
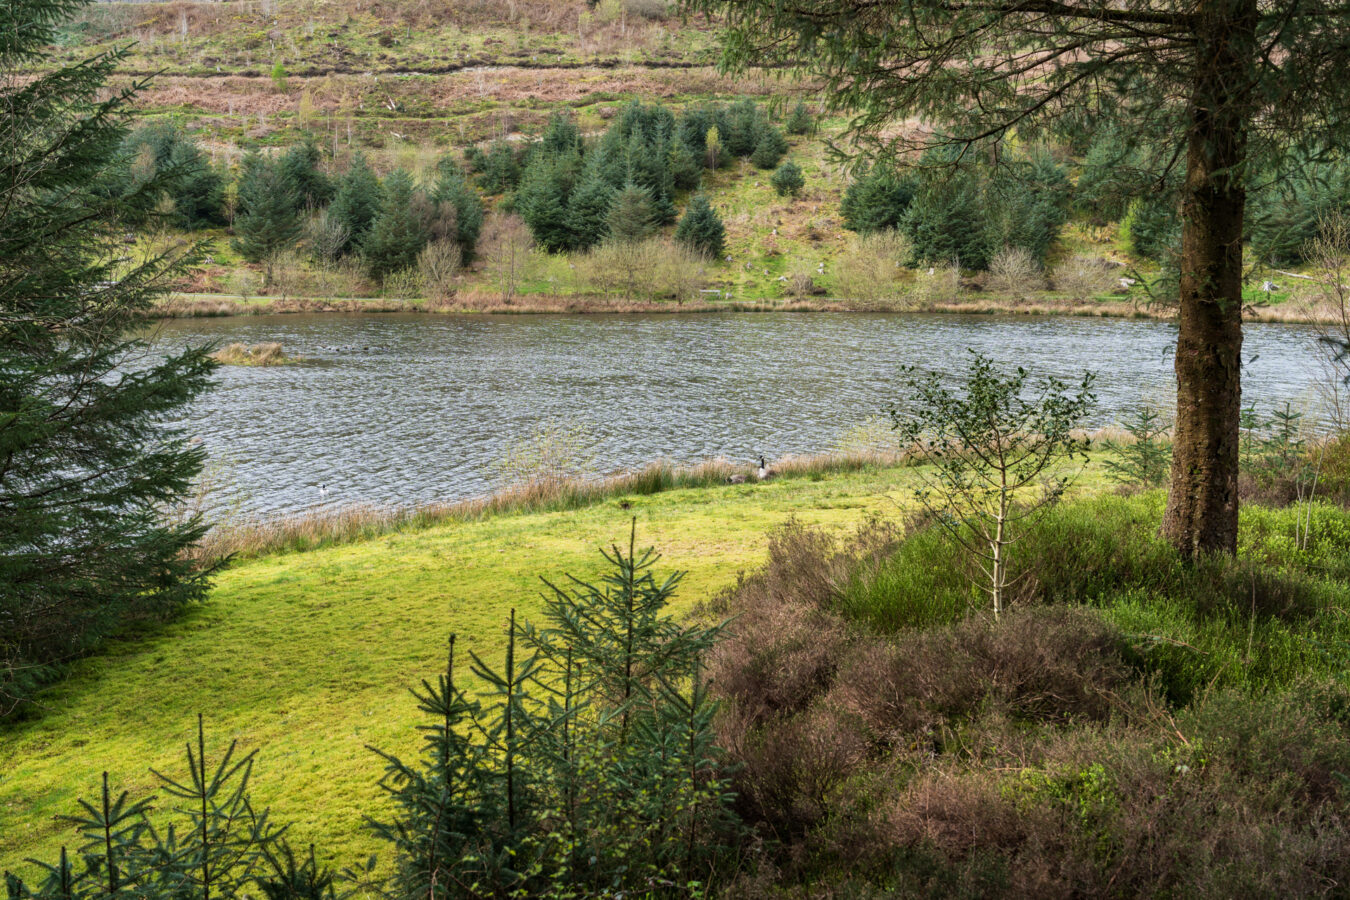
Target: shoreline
(193,306)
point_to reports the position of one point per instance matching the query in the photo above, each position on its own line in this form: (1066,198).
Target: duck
(764,473)
(323,491)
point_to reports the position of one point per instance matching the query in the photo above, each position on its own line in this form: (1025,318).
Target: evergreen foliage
(1143,460)
(787,179)
(300,166)
(587,767)
(800,120)
(398,233)
(632,217)
(542,199)
(268,219)
(1287,217)
(877,200)
(90,464)
(686,172)
(1114,172)
(217,845)
(160,152)
(1031,204)
(770,148)
(947,220)
(499,169)
(453,188)
(701,228)
(1152,227)
(356,203)
(588,211)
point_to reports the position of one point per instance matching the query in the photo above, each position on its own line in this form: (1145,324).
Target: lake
(411,408)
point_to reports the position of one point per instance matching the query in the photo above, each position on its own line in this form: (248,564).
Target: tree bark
(1202,506)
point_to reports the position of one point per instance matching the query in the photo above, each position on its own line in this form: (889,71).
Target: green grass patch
(307,657)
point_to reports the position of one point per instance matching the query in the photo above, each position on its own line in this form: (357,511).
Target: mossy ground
(307,657)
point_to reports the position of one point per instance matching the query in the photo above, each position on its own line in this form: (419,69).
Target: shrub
(1014,273)
(870,268)
(939,283)
(506,252)
(701,228)
(438,267)
(787,179)
(655,268)
(1085,277)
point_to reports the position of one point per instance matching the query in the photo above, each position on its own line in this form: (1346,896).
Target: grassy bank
(307,656)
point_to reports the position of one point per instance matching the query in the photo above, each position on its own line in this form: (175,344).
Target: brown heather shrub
(1042,664)
(1027,758)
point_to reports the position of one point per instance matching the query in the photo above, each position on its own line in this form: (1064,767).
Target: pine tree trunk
(1202,507)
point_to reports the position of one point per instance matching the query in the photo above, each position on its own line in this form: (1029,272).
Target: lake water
(400,409)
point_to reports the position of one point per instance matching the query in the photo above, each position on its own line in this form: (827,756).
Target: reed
(258,536)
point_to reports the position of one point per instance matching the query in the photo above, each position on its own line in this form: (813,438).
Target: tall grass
(248,537)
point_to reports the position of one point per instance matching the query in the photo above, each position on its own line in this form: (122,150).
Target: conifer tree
(946,222)
(178,164)
(877,200)
(542,199)
(770,147)
(787,179)
(268,220)
(1221,88)
(501,169)
(588,211)
(398,234)
(800,120)
(685,170)
(632,217)
(216,845)
(357,202)
(453,188)
(300,166)
(648,169)
(90,459)
(701,228)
